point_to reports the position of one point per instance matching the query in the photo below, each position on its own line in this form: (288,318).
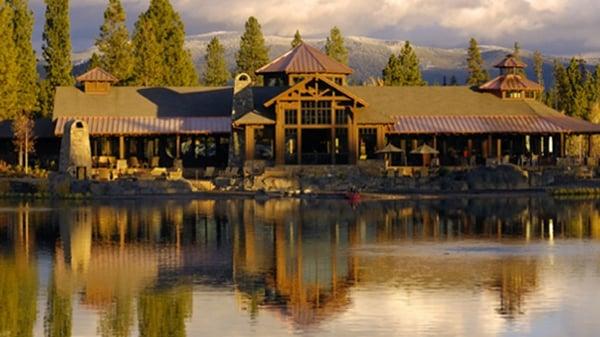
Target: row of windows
(316,114)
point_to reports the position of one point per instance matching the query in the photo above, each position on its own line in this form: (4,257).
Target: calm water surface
(525,266)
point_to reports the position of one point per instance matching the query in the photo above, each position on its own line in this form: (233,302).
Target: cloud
(557,26)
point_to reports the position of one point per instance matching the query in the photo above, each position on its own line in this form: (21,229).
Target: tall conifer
(538,67)
(215,67)
(334,46)
(56,51)
(28,78)
(162,29)
(391,73)
(253,53)
(116,54)
(410,72)
(477,73)
(148,64)
(9,85)
(297,39)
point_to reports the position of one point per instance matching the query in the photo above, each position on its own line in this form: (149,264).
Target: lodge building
(306,113)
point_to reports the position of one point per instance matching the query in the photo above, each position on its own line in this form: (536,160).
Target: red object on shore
(353,197)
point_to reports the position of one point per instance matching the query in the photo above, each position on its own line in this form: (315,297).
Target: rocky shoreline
(311,183)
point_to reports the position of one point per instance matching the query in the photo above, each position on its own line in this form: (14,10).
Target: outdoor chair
(235,172)
(209,173)
(154,162)
(133,162)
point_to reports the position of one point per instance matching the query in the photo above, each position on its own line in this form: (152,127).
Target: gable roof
(343,89)
(97,75)
(254,118)
(305,59)
(145,102)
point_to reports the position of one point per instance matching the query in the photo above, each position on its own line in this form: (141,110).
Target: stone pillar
(178,147)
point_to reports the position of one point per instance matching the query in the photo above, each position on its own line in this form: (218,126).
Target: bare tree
(24,139)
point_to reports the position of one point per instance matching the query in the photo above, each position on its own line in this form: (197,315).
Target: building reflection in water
(136,263)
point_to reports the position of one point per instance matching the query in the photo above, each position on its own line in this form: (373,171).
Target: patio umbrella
(426,151)
(387,150)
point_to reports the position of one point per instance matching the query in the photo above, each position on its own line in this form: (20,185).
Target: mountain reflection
(136,264)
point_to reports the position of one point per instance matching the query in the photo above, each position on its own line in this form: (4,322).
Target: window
(316,112)
(291,117)
(341,117)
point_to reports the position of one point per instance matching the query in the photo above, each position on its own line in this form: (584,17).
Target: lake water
(518,266)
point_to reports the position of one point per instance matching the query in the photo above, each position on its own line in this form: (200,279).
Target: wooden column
(470,146)
(353,142)
(122,147)
(249,142)
(499,148)
(280,136)
(178,147)
(380,138)
(563,148)
(590,147)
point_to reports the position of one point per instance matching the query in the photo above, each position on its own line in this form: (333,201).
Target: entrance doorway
(316,147)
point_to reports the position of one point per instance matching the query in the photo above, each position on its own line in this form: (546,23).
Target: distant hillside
(368,56)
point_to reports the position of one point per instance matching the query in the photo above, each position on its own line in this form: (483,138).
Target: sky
(559,27)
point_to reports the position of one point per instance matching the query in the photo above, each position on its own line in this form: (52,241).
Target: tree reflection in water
(139,261)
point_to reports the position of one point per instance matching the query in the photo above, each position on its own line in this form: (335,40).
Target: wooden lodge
(306,113)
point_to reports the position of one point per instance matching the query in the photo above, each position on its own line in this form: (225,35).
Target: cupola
(97,81)
(512,83)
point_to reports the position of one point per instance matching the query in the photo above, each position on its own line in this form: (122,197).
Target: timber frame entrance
(322,110)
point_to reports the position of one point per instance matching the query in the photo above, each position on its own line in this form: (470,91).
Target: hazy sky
(554,26)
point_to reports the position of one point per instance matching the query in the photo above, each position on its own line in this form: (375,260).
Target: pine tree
(477,73)
(94,62)
(215,67)
(56,51)
(162,29)
(26,61)
(148,64)
(538,67)
(410,72)
(334,46)
(391,73)
(297,39)
(253,53)
(116,54)
(453,80)
(9,85)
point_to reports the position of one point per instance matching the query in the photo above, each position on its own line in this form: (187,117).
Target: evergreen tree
(215,67)
(538,67)
(334,46)
(9,71)
(391,72)
(158,42)
(26,61)
(410,72)
(94,62)
(477,73)
(253,53)
(148,63)
(56,51)
(444,81)
(453,80)
(116,54)
(297,39)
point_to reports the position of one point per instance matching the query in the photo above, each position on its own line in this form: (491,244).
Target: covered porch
(147,142)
